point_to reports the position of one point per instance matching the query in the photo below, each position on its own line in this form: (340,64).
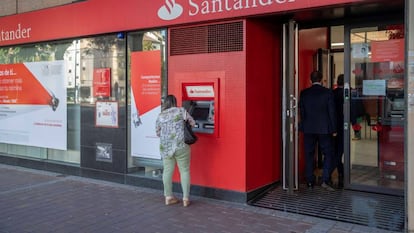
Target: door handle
(292,105)
(346,91)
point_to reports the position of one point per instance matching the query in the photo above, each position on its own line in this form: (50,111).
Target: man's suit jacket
(317,110)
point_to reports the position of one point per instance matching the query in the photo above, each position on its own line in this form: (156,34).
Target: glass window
(102,96)
(148,84)
(44,61)
(101,58)
(377,106)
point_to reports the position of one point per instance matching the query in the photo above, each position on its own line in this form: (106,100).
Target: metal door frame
(290,89)
(347,105)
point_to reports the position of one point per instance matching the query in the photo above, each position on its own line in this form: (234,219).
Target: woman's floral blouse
(170,128)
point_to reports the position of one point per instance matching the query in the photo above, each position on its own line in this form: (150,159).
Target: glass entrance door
(374,108)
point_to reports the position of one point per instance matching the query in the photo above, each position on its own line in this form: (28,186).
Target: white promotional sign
(106,114)
(374,87)
(33,109)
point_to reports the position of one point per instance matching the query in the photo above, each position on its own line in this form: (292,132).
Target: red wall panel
(263,144)
(217,161)
(245,153)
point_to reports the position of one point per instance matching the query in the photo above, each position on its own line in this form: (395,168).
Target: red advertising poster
(146,79)
(17,85)
(102,82)
(145,103)
(388,50)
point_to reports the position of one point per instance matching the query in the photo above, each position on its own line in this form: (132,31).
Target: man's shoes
(310,185)
(327,187)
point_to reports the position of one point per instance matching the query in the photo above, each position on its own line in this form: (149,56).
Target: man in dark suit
(318,123)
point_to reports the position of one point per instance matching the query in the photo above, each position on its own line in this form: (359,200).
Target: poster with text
(102,82)
(388,50)
(145,103)
(106,114)
(33,108)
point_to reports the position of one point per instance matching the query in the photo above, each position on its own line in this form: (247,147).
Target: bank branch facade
(81,85)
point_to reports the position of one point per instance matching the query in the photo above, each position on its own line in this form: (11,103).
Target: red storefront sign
(80,19)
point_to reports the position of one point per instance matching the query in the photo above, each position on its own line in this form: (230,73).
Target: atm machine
(199,100)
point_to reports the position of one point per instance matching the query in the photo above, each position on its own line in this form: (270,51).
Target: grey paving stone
(41,202)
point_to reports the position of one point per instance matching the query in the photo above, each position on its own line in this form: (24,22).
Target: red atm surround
(245,153)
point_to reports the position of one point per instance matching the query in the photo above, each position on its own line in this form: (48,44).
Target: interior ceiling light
(337,44)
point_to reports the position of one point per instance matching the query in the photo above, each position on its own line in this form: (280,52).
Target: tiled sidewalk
(38,201)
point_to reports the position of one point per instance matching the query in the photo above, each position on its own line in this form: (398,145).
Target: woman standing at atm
(170,129)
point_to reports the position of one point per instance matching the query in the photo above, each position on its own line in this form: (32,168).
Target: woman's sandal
(186,203)
(171,200)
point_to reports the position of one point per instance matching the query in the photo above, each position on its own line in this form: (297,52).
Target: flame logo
(171,10)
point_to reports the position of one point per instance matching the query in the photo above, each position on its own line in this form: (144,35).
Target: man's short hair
(316,76)
(340,80)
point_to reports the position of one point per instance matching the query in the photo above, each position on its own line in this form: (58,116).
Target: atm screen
(200,113)
(398,104)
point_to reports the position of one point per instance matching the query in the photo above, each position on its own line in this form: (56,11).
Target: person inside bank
(170,128)
(318,124)
(339,138)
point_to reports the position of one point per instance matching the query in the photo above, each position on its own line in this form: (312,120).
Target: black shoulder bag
(189,135)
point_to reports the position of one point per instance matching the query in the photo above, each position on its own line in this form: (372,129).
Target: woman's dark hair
(170,101)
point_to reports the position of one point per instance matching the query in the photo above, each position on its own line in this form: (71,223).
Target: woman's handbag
(189,135)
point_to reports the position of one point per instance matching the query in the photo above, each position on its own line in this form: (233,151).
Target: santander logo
(170,10)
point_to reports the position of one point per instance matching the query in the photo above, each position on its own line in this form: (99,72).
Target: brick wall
(10,7)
